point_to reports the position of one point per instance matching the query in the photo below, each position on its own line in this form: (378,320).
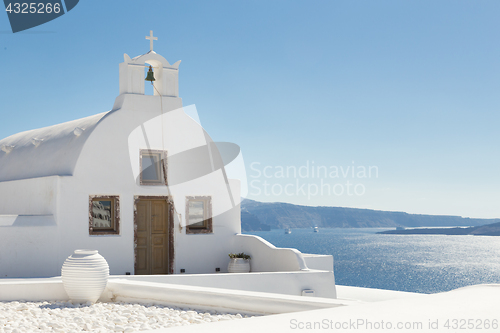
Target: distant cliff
(258,215)
(250,222)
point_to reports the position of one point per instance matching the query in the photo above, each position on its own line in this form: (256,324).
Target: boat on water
(288,231)
(316,229)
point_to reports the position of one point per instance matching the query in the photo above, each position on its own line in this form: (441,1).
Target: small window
(153,167)
(104,215)
(198,215)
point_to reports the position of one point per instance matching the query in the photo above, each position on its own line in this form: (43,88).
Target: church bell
(150,76)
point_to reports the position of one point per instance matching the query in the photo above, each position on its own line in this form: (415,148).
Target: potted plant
(239,263)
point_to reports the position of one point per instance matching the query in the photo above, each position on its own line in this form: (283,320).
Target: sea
(414,263)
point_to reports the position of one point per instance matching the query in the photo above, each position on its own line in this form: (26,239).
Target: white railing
(266,257)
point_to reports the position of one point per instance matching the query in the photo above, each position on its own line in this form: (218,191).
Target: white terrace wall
(29,236)
(266,257)
(288,283)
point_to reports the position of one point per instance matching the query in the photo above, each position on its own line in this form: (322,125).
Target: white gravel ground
(20,317)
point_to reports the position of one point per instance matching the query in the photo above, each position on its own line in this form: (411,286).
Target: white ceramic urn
(238,265)
(84,276)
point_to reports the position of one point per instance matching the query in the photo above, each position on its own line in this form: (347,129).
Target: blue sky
(408,87)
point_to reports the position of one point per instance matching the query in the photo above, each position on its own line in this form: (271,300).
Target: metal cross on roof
(151,39)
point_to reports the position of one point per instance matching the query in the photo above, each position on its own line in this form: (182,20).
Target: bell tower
(166,75)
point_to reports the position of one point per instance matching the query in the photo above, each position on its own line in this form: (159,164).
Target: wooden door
(152,243)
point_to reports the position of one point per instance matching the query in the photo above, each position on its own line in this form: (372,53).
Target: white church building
(143,184)
(146,186)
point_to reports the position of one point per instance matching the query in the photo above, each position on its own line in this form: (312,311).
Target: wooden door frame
(170,213)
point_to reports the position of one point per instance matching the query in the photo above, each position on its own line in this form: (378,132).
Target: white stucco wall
(109,165)
(28,230)
(102,171)
(34,196)
(105,166)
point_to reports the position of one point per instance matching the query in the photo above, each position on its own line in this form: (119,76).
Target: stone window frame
(163,170)
(207,228)
(115,230)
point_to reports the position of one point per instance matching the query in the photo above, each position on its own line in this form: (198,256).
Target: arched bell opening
(133,73)
(148,86)
(157,67)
